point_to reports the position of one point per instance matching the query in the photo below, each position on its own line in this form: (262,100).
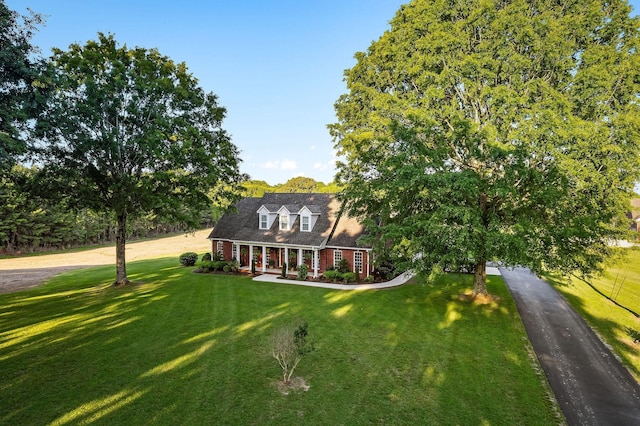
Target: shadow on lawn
(177,347)
(92,351)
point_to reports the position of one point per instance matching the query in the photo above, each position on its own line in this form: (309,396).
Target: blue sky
(277,66)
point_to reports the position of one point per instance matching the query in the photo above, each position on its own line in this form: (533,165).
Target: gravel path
(20,273)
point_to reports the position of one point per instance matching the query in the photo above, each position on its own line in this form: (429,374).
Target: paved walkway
(397,281)
(590,384)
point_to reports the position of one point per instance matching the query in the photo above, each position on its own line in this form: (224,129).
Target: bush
(369,279)
(302,272)
(207,266)
(343,266)
(188,259)
(206,257)
(284,271)
(234,265)
(332,275)
(349,277)
(288,346)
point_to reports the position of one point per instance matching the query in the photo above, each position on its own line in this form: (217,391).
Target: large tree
(492,129)
(18,81)
(130,132)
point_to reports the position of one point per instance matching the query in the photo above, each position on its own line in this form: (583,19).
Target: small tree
(303,269)
(289,346)
(284,270)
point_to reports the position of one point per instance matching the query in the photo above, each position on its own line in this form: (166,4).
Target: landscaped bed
(182,348)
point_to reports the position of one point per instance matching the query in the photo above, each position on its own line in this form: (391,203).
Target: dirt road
(26,272)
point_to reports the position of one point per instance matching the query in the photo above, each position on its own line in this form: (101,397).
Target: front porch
(270,260)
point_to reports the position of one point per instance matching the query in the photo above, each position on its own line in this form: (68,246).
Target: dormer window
(284,222)
(305,223)
(264,221)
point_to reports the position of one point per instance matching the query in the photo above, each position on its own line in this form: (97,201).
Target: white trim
(286,222)
(355,264)
(349,248)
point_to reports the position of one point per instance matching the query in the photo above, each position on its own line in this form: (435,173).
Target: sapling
(288,346)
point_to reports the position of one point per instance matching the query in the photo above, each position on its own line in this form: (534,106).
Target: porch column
(250,255)
(286,260)
(300,259)
(238,253)
(368,263)
(264,259)
(315,262)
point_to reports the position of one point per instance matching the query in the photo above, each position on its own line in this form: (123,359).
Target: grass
(183,348)
(594,300)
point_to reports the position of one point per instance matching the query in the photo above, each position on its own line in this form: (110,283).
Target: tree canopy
(18,81)
(505,130)
(130,132)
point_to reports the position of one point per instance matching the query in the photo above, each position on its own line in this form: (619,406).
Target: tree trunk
(121,238)
(480,278)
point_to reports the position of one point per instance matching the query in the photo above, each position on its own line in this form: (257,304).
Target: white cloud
(289,165)
(280,165)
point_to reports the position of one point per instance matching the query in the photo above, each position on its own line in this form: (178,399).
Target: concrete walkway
(397,281)
(590,384)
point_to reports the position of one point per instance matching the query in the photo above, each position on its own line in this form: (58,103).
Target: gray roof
(332,227)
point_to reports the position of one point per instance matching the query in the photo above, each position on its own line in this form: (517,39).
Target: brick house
(291,228)
(634,215)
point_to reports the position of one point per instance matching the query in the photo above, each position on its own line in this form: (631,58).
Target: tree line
(34,222)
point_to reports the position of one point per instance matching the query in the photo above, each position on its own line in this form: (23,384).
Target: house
(292,228)
(634,215)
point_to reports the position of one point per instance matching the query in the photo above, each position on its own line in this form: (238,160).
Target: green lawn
(620,283)
(183,348)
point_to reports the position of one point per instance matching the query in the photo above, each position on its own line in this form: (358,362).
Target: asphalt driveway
(591,385)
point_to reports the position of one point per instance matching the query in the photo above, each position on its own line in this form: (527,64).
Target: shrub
(284,270)
(188,259)
(332,275)
(253,266)
(234,265)
(207,266)
(302,272)
(289,346)
(369,279)
(349,277)
(218,265)
(206,257)
(343,266)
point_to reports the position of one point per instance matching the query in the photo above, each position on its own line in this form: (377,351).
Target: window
(337,257)
(305,220)
(263,222)
(284,222)
(357,261)
(220,248)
